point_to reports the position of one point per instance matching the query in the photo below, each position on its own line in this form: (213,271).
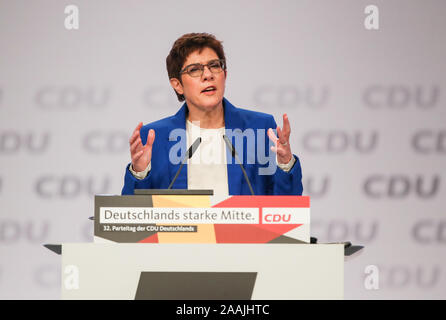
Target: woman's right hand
(141,155)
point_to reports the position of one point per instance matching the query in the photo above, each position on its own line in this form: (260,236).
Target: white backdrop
(367,109)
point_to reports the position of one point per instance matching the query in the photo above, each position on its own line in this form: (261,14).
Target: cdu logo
(401,186)
(12,142)
(337,142)
(98,142)
(340,230)
(401,96)
(162,97)
(402,277)
(287,96)
(12,231)
(428,231)
(72,98)
(70,186)
(317,187)
(428,141)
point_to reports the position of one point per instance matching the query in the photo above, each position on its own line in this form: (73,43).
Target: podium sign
(191,218)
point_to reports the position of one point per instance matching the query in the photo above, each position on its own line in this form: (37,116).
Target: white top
(207,169)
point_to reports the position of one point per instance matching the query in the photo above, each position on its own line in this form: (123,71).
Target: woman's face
(194,88)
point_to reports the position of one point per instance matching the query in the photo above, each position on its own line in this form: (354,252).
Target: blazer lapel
(235,174)
(176,140)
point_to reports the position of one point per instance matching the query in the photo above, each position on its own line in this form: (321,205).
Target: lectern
(183,244)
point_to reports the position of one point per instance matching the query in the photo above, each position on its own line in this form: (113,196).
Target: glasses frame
(202,66)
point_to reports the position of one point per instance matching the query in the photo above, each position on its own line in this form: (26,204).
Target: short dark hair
(184,46)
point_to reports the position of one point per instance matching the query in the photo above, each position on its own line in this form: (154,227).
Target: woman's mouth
(209,90)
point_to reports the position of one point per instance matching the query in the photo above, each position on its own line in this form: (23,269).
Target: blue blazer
(276,182)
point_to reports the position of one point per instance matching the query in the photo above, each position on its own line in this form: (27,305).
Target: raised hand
(141,155)
(282,143)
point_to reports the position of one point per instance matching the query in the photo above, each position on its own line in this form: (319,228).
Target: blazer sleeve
(131,183)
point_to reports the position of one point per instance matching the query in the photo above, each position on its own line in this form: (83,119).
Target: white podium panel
(202,271)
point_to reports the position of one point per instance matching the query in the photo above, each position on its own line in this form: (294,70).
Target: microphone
(188,155)
(235,155)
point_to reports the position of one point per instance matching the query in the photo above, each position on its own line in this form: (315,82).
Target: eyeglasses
(197,69)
